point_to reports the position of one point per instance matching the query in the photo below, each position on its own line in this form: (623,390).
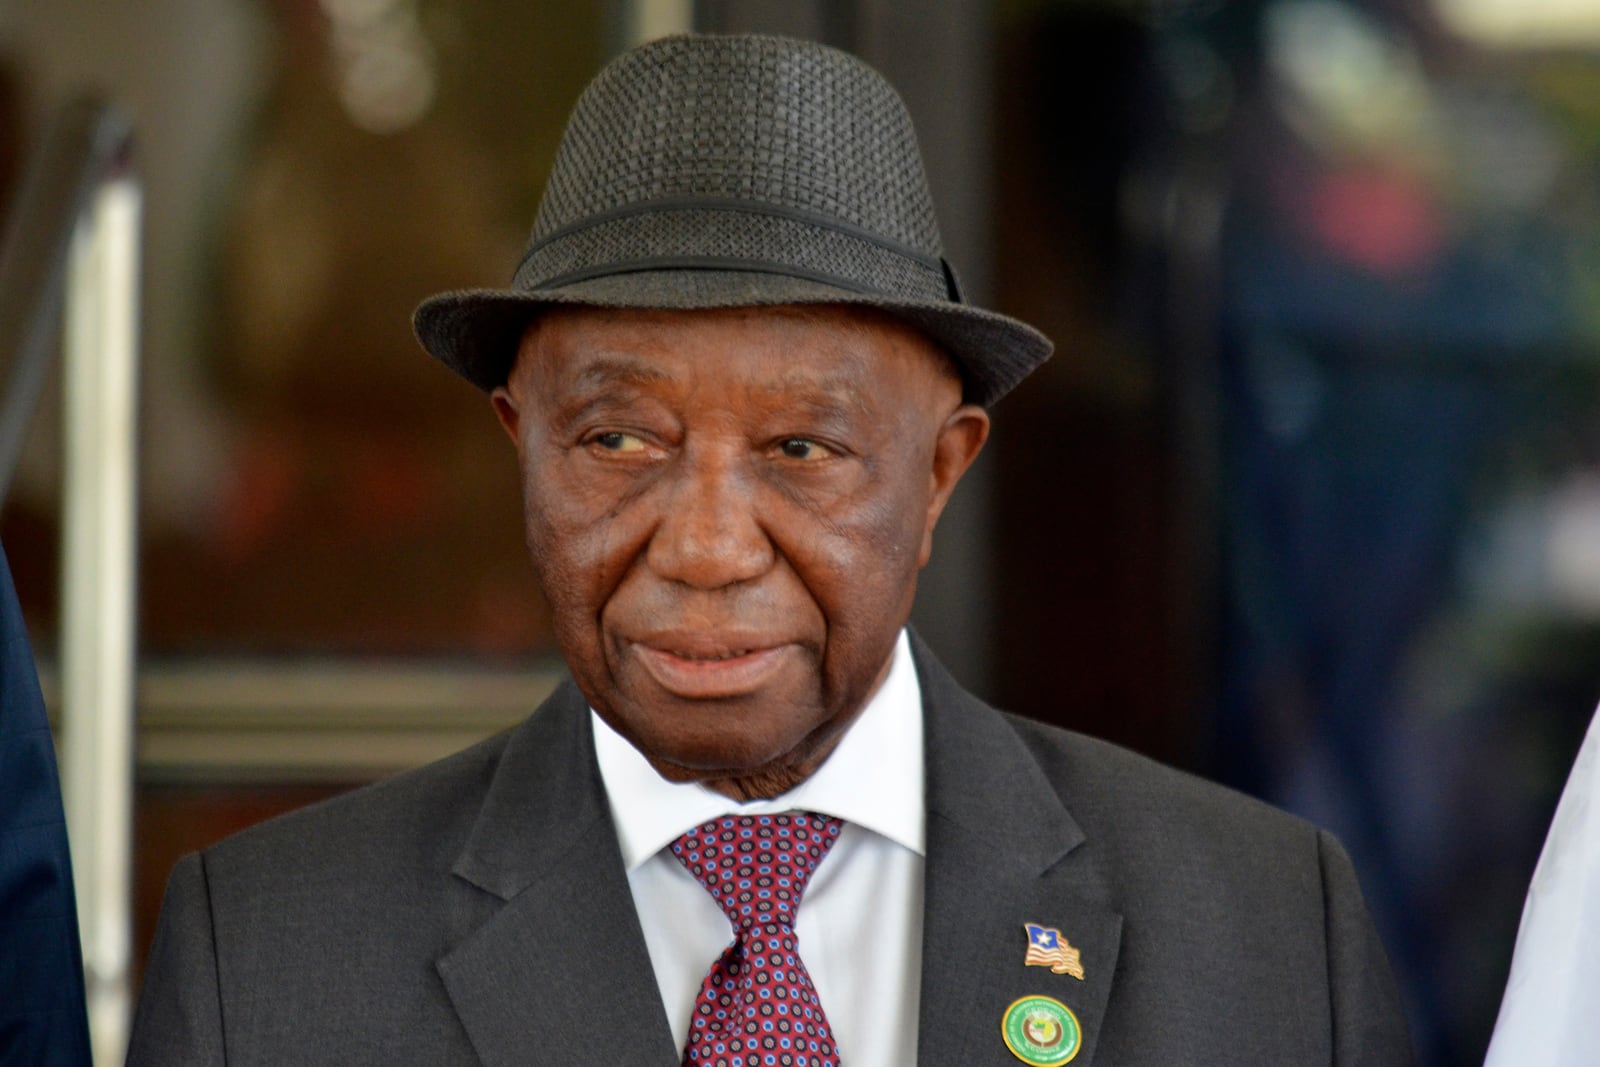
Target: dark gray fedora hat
(741,171)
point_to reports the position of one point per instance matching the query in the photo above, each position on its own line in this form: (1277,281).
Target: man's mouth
(708,670)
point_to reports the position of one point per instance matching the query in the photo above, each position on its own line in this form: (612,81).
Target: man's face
(727,511)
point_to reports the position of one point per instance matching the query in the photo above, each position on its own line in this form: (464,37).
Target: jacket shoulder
(315,936)
(1106,785)
(417,817)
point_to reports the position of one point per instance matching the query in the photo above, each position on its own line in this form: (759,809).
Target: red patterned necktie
(757,1005)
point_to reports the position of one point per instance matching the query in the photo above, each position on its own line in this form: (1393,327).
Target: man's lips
(700,668)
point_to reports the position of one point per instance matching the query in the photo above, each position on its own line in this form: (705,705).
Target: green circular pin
(1042,1031)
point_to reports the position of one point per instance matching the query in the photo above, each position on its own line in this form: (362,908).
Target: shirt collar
(873,778)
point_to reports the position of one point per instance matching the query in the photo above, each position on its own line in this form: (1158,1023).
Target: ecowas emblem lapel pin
(1041,1031)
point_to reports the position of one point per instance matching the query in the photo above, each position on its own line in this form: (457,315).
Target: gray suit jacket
(476,911)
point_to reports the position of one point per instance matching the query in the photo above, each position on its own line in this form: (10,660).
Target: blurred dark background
(1308,501)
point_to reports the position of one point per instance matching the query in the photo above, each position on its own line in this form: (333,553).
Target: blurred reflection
(353,485)
(385,62)
(311,481)
(1411,400)
(1546,23)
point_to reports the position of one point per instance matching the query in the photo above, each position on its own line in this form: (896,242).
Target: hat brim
(476,332)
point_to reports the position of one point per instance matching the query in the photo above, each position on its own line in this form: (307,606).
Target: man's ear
(960,440)
(506,410)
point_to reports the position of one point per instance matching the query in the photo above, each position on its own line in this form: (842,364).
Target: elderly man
(761,825)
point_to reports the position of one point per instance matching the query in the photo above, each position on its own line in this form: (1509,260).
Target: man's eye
(801,448)
(616,441)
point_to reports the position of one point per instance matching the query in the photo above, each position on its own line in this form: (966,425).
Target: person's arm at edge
(179,1018)
(1369,1024)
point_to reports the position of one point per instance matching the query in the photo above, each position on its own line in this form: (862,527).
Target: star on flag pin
(1047,948)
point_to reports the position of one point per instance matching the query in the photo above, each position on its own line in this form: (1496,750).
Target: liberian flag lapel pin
(1047,948)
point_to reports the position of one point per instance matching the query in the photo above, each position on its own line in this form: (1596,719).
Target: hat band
(732,236)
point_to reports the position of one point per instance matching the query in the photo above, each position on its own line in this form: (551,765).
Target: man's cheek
(879,537)
(570,561)
(560,509)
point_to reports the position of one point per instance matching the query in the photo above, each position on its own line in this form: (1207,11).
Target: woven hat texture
(710,171)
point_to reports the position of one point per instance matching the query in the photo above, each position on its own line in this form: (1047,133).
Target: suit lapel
(1002,851)
(557,971)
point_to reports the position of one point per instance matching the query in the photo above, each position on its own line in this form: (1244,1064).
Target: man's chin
(695,766)
(695,740)
(744,774)
(728,741)
(761,783)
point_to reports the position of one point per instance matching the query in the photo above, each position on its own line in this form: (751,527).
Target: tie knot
(756,866)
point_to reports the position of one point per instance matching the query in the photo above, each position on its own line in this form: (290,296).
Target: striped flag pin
(1047,948)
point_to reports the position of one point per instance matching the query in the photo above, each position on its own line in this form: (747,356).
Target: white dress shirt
(860,921)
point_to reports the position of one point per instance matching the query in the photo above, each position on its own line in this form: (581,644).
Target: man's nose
(710,535)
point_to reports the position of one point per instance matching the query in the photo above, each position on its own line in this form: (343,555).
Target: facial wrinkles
(871,517)
(849,526)
(565,511)
(860,527)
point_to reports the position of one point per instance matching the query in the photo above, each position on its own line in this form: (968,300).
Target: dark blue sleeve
(42,1017)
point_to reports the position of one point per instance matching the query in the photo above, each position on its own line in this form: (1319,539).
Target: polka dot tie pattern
(757,1006)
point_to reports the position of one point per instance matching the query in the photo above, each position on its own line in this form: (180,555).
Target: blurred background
(1308,501)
